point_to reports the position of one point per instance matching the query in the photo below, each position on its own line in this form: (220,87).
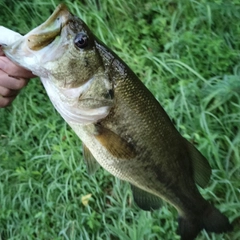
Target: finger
(6,92)
(8,36)
(12,69)
(5,101)
(12,83)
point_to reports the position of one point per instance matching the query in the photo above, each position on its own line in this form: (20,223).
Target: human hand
(12,77)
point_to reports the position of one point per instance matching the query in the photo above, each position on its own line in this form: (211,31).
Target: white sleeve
(8,36)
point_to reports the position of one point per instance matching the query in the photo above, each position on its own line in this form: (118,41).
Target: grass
(187,54)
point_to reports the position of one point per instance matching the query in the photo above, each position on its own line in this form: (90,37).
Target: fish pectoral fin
(115,144)
(145,200)
(201,167)
(91,162)
(92,103)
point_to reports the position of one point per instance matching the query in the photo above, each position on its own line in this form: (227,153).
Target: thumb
(8,36)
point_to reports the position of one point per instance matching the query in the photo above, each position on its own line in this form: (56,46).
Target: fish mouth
(42,44)
(47,32)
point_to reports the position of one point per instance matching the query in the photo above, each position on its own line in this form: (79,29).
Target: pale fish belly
(103,157)
(125,169)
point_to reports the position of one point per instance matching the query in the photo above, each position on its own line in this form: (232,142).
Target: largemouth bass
(122,126)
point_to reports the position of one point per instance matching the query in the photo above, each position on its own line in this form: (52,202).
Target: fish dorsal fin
(145,200)
(115,144)
(91,162)
(200,165)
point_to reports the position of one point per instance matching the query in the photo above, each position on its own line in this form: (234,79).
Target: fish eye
(81,40)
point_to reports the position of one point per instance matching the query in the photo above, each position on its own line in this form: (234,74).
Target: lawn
(188,54)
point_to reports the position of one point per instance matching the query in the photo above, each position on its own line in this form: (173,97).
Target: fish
(122,126)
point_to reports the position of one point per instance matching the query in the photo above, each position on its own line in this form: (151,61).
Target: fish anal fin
(115,144)
(145,200)
(200,165)
(91,162)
